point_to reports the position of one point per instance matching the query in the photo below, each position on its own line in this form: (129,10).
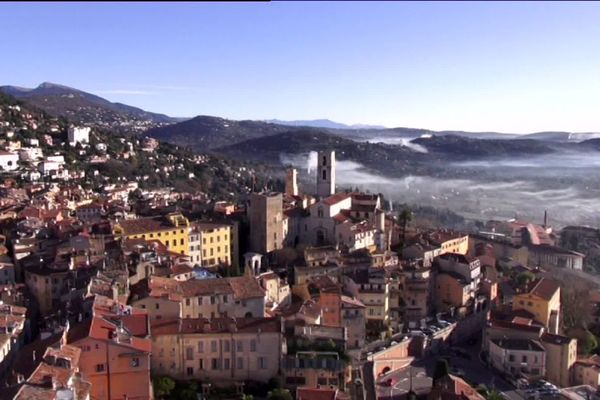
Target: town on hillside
(112,288)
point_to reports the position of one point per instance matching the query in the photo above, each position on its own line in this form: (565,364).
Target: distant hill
(206,132)
(452,145)
(86,108)
(562,136)
(323,123)
(269,150)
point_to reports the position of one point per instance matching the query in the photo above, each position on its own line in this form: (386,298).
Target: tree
(442,369)
(279,394)
(590,344)
(494,395)
(405,217)
(163,386)
(524,278)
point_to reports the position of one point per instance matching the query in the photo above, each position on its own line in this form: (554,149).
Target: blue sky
(512,67)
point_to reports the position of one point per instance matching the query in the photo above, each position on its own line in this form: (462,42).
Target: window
(99,367)
(324,174)
(174,242)
(189,353)
(190,371)
(214,363)
(213,346)
(157,306)
(524,359)
(262,362)
(181,241)
(201,364)
(187,302)
(240,363)
(253,345)
(199,301)
(239,345)
(135,362)
(511,358)
(225,299)
(324,160)
(226,363)
(226,346)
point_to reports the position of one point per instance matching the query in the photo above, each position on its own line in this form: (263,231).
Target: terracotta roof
(242,287)
(555,339)
(515,326)
(143,225)
(336,198)
(349,302)
(43,371)
(215,325)
(316,394)
(181,269)
(593,361)
(245,287)
(29,392)
(323,283)
(518,344)
(544,288)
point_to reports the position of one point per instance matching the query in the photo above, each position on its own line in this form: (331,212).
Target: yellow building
(171,230)
(451,291)
(561,355)
(210,244)
(543,302)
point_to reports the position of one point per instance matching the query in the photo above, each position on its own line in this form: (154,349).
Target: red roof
(336,198)
(544,288)
(316,394)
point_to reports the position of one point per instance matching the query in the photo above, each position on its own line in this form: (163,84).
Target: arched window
(324,160)
(324,174)
(320,212)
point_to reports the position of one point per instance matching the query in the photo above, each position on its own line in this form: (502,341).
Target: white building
(53,166)
(31,153)
(79,135)
(325,173)
(8,161)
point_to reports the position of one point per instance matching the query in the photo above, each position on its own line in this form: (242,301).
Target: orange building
(115,351)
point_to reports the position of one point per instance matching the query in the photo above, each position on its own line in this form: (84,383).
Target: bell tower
(325,173)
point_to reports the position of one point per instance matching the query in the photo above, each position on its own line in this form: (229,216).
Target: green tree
(524,278)
(494,395)
(279,394)
(185,391)
(163,386)
(590,344)
(405,217)
(442,369)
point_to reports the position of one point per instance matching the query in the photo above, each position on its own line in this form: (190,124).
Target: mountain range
(82,107)
(323,123)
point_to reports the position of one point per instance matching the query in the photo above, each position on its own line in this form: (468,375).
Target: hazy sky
(513,67)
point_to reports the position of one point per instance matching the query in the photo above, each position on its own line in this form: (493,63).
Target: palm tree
(405,217)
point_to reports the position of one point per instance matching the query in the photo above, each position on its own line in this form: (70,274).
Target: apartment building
(219,350)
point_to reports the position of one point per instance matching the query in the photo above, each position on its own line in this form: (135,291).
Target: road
(474,370)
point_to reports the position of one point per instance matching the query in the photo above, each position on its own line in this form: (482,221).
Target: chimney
(291,182)
(545,219)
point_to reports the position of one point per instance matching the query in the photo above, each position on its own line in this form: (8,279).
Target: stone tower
(291,182)
(326,173)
